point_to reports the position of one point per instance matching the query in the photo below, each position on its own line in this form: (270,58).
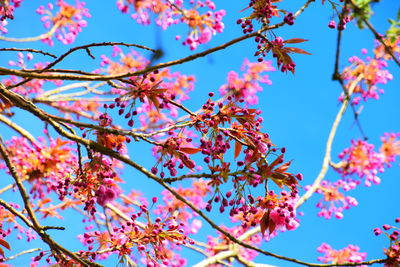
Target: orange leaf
(4,244)
(190,150)
(295,41)
(2,252)
(297,50)
(238,149)
(45,201)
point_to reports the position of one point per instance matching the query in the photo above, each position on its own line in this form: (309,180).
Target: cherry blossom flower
(69,20)
(348,254)
(390,147)
(247,86)
(362,160)
(374,73)
(202,26)
(335,202)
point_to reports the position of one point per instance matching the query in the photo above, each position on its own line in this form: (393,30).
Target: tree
(110,156)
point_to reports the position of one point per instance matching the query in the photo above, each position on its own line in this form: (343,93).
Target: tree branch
(327,157)
(32,39)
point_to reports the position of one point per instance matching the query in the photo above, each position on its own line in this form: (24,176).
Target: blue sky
(298,109)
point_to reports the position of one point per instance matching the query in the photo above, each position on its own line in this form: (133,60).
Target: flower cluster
(201,26)
(335,202)
(111,141)
(361,159)
(195,194)
(96,182)
(247,86)
(279,51)
(289,18)
(393,252)
(173,152)
(68,20)
(374,73)
(345,18)
(280,211)
(243,130)
(348,254)
(390,147)
(262,11)
(149,95)
(155,240)
(44,166)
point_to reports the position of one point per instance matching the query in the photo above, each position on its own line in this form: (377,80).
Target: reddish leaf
(281,179)
(276,162)
(4,244)
(154,101)
(190,150)
(267,224)
(295,41)
(187,162)
(272,227)
(297,50)
(286,58)
(2,252)
(283,167)
(238,149)
(264,222)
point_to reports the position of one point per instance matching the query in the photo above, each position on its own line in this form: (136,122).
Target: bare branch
(22,253)
(32,39)
(17,128)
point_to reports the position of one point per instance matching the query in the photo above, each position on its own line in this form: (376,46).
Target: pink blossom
(334,202)
(248,86)
(69,19)
(348,254)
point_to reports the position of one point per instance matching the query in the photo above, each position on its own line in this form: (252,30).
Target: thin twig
(29,50)
(337,77)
